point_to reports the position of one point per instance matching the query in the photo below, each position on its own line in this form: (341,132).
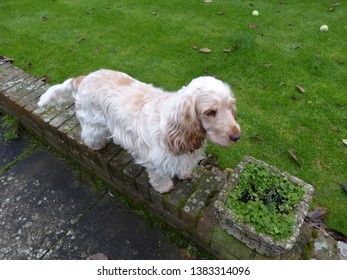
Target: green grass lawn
(153,41)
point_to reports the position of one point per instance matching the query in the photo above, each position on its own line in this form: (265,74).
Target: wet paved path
(47,212)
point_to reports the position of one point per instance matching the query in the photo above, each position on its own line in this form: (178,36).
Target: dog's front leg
(161,184)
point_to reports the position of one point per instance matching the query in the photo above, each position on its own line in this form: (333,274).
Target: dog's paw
(97,148)
(187,176)
(164,188)
(169,187)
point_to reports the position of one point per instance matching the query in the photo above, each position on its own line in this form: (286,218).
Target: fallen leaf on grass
(44,78)
(229,171)
(292,47)
(81,40)
(205,50)
(252,25)
(300,88)
(339,106)
(336,235)
(267,65)
(293,156)
(208,1)
(220,13)
(6,59)
(256,139)
(337,129)
(195,47)
(314,217)
(220,173)
(209,161)
(317,214)
(344,141)
(231,49)
(28,66)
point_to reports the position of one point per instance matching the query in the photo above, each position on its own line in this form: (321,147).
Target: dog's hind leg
(94,136)
(59,93)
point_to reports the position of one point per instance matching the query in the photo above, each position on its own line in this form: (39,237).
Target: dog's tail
(60,93)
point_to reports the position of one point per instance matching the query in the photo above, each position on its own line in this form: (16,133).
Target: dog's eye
(211,113)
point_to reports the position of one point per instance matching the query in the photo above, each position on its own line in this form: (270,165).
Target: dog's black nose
(235,137)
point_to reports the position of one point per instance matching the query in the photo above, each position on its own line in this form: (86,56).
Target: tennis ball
(255,13)
(324,28)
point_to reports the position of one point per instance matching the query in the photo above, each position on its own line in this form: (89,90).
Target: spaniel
(163,131)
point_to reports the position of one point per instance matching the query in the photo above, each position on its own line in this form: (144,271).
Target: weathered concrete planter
(245,232)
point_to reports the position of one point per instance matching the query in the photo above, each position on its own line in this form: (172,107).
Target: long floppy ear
(185,133)
(232,105)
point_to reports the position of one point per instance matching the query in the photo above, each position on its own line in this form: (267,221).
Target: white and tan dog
(165,132)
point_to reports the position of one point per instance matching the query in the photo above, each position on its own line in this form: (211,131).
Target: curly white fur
(163,131)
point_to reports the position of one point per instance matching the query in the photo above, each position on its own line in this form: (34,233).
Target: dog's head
(216,109)
(208,111)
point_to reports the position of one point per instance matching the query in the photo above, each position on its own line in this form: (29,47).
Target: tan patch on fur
(137,102)
(142,96)
(232,106)
(76,82)
(121,79)
(125,81)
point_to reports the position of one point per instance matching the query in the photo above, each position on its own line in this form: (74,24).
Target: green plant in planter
(265,199)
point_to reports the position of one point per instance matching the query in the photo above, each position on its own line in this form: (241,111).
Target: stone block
(69,125)
(117,164)
(229,246)
(89,156)
(206,188)
(32,96)
(156,198)
(177,198)
(29,92)
(63,116)
(4,66)
(74,134)
(31,125)
(49,113)
(133,170)
(124,186)
(9,75)
(166,216)
(30,101)
(207,223)
(13,82)
(18,91)
(143,186)
(108,153)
